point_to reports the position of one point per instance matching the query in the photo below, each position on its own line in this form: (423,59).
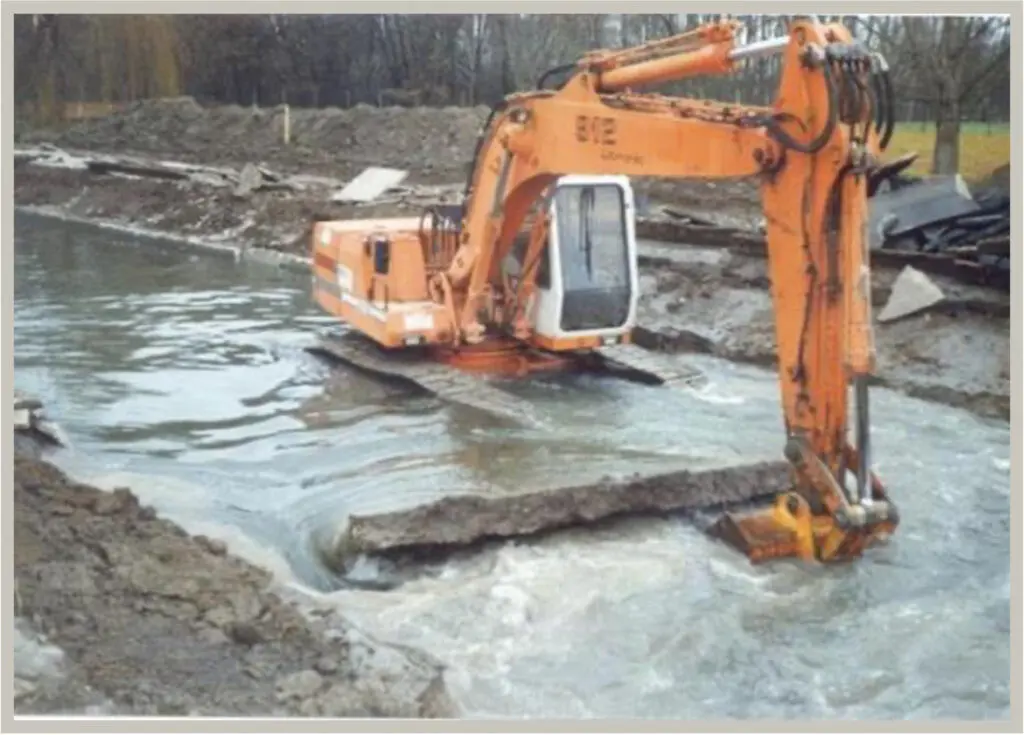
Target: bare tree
(944,69)
(946,63)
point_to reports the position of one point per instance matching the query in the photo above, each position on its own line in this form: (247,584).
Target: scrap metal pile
(940,217)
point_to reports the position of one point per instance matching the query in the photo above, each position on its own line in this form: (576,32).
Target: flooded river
(185,377)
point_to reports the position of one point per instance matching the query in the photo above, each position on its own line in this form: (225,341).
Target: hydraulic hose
(866,97)
(774,129)
(890,106)
(881,107)
(551,72)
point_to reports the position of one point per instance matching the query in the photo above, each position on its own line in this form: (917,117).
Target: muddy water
(185,377)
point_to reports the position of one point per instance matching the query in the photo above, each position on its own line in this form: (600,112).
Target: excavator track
(627,362)
(441,380)
(650,367)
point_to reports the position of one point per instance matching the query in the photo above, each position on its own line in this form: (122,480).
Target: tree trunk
(946,159)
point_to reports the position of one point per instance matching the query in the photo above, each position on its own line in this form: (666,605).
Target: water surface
(185,377)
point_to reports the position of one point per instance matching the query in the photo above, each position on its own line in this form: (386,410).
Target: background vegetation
(952,74)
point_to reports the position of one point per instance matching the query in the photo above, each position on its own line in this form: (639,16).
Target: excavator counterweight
(537,270)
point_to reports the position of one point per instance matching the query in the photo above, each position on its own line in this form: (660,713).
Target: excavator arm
(812,150)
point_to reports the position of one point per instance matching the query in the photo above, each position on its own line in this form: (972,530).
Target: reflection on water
(186,378)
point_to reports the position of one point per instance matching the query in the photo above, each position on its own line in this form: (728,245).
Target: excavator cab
(587,283)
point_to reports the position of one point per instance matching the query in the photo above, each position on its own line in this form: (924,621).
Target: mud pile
(434,144)
(421,139)
(121,612)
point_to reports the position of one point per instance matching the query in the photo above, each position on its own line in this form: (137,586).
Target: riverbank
(120,612)
(705,287)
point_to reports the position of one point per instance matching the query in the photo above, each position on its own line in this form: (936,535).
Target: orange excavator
(536,270)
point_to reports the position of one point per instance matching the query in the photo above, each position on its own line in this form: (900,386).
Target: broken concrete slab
(370,184)
(912,292)
(462,520)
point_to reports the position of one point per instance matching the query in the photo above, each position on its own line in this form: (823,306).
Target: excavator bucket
(782,530)
(788,529)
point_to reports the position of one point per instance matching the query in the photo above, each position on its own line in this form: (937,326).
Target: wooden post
(287,124)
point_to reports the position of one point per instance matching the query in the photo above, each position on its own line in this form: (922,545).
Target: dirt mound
(415,138)
(435,144)
(152,621)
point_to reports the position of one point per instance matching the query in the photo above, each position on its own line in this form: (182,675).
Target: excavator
(536,269)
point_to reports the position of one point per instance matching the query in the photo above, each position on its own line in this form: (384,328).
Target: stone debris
(912,293)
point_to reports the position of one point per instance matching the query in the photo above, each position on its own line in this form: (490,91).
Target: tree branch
(973,87)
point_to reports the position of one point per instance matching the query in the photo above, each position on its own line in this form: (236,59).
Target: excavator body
(536,269)
(375,274)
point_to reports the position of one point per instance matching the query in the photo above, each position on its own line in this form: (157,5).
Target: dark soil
(153,621)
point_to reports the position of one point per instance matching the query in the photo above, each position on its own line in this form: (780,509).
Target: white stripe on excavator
(365,306)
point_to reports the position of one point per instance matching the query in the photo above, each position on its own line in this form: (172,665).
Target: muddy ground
(957,353)
(121,612)
(704,299)
(435,145)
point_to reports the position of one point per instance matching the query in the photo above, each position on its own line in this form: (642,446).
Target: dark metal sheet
(934,201)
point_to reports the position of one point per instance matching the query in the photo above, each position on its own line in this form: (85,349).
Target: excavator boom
(812,151)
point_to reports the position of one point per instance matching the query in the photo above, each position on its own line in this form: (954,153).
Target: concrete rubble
(912,293)
(939,218)
(31,427)
(370,184)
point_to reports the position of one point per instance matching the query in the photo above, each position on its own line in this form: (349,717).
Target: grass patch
(983,147)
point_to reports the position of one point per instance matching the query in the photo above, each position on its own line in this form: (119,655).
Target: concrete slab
(22,419)
(249,180)
(458,521)
(912,292)
(370,184)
